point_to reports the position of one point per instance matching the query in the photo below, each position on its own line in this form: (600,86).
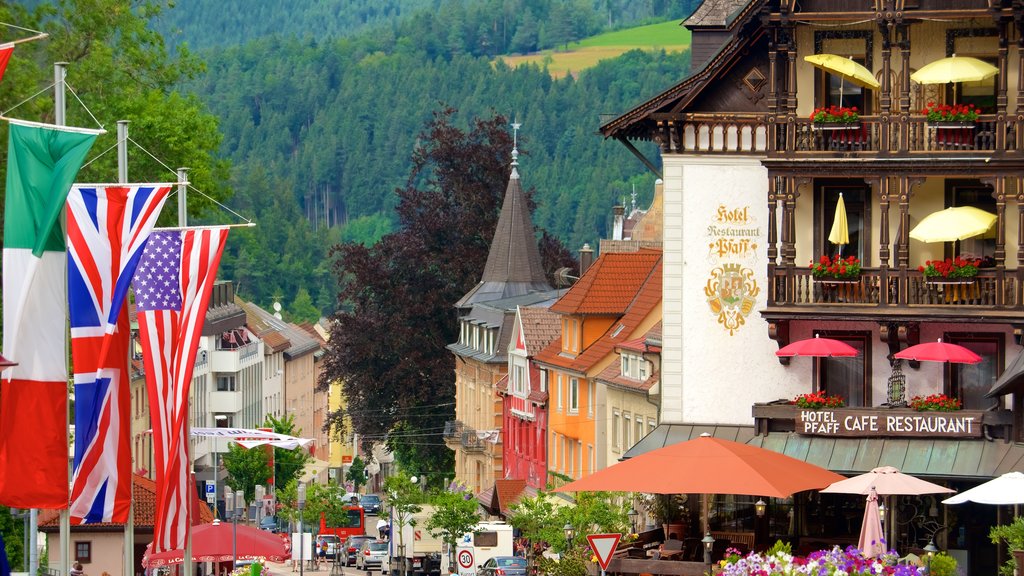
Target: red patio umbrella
(213,543)
(818,347)
(939,351)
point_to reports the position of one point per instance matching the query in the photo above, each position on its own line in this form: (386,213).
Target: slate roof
(513,262)
(715,13)
(300,342)
(644,299)
(610,284)
(540,327)
(500,314)
(144,511)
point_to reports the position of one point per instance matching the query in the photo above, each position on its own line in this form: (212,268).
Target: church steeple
(513,264)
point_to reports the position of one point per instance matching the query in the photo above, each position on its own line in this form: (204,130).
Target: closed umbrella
(846,68)
(952,224)
(818,347)
(840,233)
(872,539)
(939,352)
(1004,490)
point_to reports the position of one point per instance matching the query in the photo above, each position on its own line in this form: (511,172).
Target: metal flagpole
(59,71)
(129,525)
(183,221)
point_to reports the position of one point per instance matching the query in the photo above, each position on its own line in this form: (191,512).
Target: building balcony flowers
(951,115)
(935,403)
(950,270)
(816,400)
(835,116)
(849,562)
(838,268)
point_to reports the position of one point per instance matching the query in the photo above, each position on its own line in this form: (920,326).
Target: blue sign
(211,488)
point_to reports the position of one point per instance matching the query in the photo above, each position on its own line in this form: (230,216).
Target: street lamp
(235,507)
(709,542)
(931,550)
(302,536)
(260,492)
(570,533)
(760,507)
(632,518)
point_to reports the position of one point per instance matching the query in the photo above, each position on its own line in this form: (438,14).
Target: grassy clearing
(669,36)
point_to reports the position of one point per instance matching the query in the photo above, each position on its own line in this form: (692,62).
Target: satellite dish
(563,277)
(277,307)
(277,315)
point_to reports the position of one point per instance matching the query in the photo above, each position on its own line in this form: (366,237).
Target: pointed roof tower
(513,264)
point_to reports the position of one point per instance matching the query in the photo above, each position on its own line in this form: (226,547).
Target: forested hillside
(320,133)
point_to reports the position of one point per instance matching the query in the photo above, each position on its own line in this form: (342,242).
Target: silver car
(372,553)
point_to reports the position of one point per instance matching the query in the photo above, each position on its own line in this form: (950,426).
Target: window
(847,377)
(574,395)
(856,196)
(593,462)
(970,382)
(591,397)
(639,428)
(543,380)
(225,383)
(972,193)
(566,335)
(571,457)
(519,380)
(651,425)
(980,43)
(643,370)
(627,424)
(579,452)
(559,393)
(626,358)
(83,551)
(830,89)
(616,422)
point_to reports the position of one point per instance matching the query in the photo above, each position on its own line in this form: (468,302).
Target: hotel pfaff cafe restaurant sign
(882,422)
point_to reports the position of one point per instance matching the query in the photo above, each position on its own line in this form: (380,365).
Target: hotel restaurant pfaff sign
(862,422)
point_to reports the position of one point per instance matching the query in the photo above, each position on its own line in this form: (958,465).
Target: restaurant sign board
(861,422)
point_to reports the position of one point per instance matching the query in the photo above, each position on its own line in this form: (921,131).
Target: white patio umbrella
(1004,490)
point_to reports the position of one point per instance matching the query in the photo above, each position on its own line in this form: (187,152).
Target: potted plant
(935,403)
(951,115)
(835,117)
(838,268)
(950,270)
(816,400)
(670,511)
(1013,535)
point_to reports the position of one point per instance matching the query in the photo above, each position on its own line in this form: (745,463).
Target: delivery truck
(412,551)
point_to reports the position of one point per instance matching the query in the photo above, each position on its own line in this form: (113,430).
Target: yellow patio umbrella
(954,69)
(952,224)
(845,68)
(840,233)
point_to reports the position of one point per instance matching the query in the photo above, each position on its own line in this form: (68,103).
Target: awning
(940,458)
(1011,380)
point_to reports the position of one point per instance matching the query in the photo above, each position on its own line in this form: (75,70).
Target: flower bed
(950,269)
(834,562)
(815,400)
(935,403)
(837,268)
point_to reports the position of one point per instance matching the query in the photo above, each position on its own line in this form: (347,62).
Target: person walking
(383,529)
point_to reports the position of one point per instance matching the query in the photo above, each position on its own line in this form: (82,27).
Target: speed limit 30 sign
(465,558)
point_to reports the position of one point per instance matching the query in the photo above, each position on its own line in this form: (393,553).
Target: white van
(488,539)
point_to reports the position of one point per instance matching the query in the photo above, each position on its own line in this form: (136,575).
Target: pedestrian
(383,528)
(76,569)
(322,554)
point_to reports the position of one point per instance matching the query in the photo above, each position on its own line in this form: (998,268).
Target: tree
(287,463)
(357,473)
(455,514)
(535,518)
(246,468)
(318,500)
(404,499)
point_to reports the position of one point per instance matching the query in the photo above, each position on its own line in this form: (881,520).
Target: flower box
(935,403)
(940,281)
(838,269)
(956,115)
(950,271)
(835,126)
(949,125)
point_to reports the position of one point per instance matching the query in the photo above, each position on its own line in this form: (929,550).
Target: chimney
(619,213)
(586,259)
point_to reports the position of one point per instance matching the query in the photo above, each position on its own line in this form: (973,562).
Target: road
(326,568)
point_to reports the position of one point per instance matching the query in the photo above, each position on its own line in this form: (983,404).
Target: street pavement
(326,568)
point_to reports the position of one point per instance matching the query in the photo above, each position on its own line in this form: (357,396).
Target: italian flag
(42,163)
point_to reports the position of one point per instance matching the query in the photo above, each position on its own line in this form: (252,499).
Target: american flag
(107,230)
(172,291)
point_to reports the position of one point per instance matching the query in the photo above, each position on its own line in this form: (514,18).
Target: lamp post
(570,533)
(931,550)
(709,543)
(260,492)
(235,507)
(302,537)
(632,518)
(760,507)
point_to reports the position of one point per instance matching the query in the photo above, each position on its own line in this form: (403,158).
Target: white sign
(306,549)
(603,546)
(464,558)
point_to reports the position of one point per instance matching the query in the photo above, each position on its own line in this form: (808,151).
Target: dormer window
(634,366)
(519,380)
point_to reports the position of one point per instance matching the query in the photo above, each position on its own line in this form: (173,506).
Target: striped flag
(108,226)
(42,162)
(172,290)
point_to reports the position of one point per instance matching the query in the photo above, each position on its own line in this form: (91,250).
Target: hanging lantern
(896,389)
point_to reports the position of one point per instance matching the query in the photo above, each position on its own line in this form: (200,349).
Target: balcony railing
(872,136)
(453,431)
(989,289)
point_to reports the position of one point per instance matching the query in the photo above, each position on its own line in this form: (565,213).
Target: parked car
(350,549)
(333,544)
(269,523)
(370,503)
(503,566)
(372,554)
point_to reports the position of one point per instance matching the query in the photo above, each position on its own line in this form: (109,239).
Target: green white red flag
(42,163)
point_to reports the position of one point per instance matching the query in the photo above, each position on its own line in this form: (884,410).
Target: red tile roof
(144,509)
(540,327)
(641,344)
(610,284)
(508,492)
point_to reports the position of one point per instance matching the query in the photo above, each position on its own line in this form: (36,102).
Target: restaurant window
(972,193)
(83,551)
(855,197)
(970,382)
(849,378)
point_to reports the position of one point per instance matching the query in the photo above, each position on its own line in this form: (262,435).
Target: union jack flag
(108,226)
(172,291)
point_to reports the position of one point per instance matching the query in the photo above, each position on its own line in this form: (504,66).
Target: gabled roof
(644,300)
(513,263)
(612,374)
(540,327)
(716,13)
(143,511)
(610,284)
(507,492)
(649,342)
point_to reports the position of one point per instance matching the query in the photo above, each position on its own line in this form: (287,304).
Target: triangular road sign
(603,546)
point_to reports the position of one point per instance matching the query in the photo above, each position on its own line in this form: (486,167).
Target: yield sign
(603,545)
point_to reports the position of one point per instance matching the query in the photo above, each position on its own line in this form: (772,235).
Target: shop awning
(1011,380)
(940,458)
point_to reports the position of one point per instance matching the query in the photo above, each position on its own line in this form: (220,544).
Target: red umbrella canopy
(818,347)
(939,352)
(708,465)
(213,543)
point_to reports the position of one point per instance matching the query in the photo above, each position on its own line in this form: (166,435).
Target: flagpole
(211,227)
(190,494)
(129,525)
(59,72)
(39,36)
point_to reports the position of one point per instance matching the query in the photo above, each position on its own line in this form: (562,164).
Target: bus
(344,521)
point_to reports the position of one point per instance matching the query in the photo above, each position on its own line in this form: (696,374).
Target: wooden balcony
(993,295)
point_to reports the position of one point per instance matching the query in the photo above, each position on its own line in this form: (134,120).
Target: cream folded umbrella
(840,233)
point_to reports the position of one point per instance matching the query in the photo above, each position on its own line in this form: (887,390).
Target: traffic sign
(603,546)
(211,488)
(465,556)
